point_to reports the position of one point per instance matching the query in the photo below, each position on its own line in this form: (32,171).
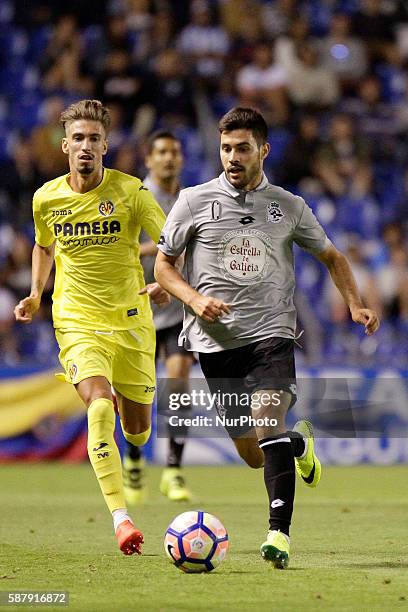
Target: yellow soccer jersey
(98,271)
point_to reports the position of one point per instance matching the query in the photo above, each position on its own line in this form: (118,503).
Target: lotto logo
(246,220)
(277,503)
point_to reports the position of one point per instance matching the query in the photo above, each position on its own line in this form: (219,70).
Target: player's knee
(92,394)
(101,411)
(138,439)
(178,367)
(134,426)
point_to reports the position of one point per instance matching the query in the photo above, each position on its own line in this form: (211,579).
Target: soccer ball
(196,541)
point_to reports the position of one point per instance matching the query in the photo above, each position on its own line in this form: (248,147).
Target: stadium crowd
(330,77)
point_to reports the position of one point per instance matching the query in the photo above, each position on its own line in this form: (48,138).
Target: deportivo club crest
(273,213)
(106,208)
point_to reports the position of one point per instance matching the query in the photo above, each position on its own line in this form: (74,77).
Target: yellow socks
(104,454)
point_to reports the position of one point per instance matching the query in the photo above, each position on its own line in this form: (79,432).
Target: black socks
(134,451)
(279,477)
(298,443)
(176,447)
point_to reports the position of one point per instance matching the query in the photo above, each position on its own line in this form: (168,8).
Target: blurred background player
(164,160)
(90,219)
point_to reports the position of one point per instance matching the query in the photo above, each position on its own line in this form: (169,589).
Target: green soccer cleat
(134,486)
(173,485)
(276,549)
(309,467)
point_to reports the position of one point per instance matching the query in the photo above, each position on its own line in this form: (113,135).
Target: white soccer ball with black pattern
(196,541)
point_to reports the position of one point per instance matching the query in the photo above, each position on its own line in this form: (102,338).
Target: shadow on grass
(378,565)
(278,571)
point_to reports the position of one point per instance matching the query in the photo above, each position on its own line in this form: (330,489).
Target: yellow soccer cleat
(173,485)
(276,549)
(308,467)
(133,481)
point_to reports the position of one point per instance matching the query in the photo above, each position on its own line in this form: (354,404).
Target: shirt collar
(156,189)
(240,192)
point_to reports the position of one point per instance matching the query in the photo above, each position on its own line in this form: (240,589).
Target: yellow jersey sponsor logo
(83,228)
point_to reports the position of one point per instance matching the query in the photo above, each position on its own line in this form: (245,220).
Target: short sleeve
(149,214)
(308,233)
(43,235)
(178,228)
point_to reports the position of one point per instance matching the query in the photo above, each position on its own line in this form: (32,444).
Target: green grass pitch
(349,542)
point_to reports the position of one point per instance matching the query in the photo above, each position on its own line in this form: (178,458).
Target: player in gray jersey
(238,232)
(164,161)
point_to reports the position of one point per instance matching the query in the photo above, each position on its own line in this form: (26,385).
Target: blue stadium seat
(39,41)
(6,139)
(25,111)
(390,189)
(14,43)
(7,11)
(359,216)
(310,279)
(279,139)
(318,14)
(195,167)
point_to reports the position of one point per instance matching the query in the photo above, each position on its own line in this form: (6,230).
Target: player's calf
(134,484)
(279,477)
(103,452)
(248,449)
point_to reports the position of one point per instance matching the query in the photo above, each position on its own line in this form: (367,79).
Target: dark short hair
(157,135)
(240,118)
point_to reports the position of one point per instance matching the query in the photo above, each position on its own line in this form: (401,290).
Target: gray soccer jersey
(171,314)
(239,249)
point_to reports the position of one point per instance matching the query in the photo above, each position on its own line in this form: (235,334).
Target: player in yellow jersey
(89,222)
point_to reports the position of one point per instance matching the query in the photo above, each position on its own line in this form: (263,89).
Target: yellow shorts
(125,358)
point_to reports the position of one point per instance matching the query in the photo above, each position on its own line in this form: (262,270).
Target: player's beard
(168,174)
(86,170)
(246,177)
(168,177)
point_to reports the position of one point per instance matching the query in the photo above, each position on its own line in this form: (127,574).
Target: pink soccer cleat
(130,539)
